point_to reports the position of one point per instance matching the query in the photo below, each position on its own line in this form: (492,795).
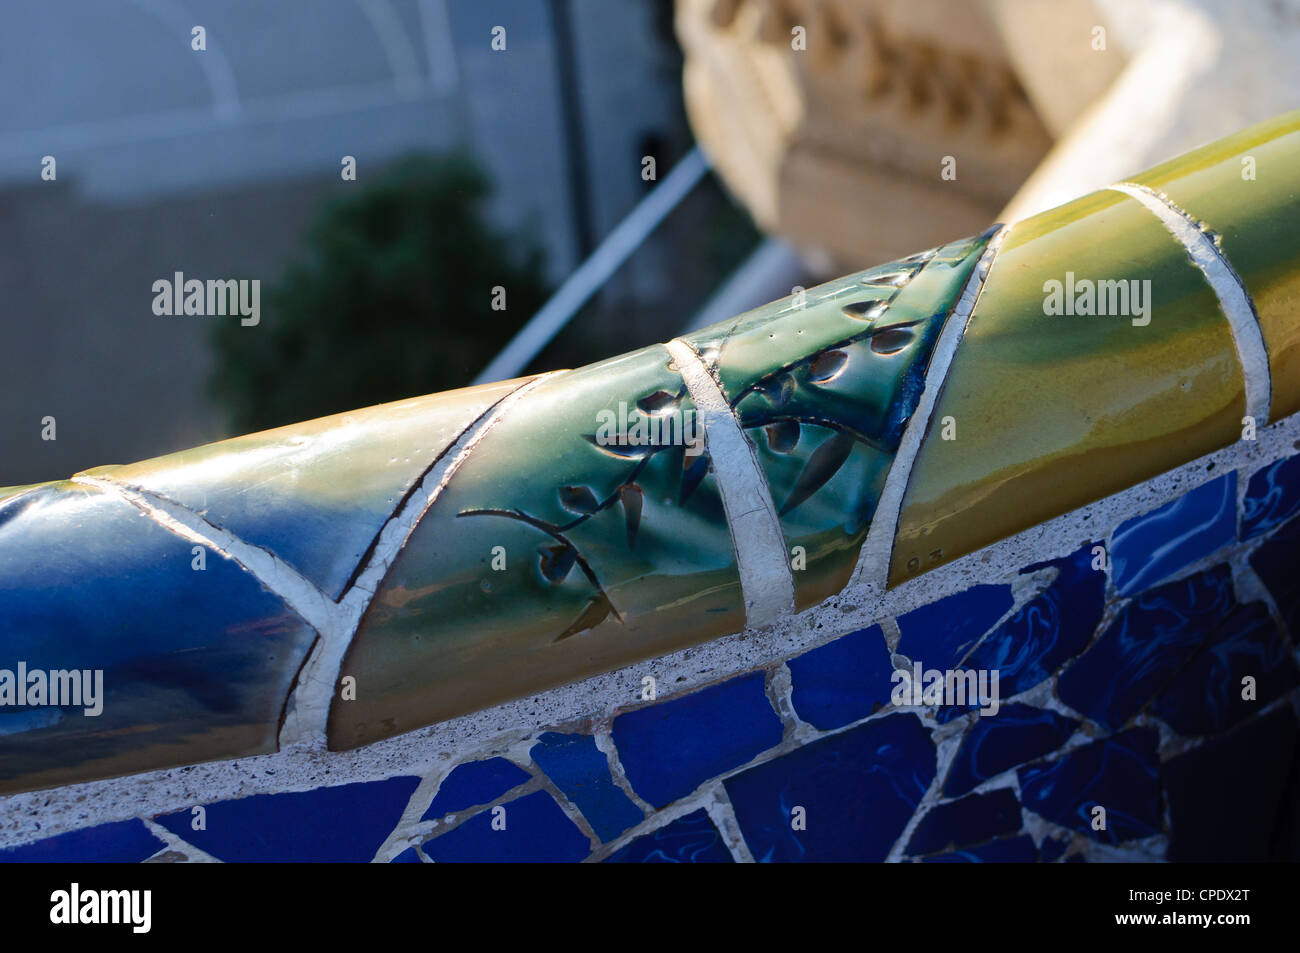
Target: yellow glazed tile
(1050,411)
(1246,189)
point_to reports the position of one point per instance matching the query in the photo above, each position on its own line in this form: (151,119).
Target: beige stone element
(824,143)
(838,147)
(1186,72)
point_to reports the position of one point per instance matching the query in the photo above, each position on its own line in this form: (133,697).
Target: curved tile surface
(1050,405)
(315,494)
(582,526)
(184,654)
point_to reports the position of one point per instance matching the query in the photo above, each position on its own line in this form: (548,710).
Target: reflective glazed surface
(824,386)
(1246,190)
(1049,412)
(195,663)
(316,493)
(560,548)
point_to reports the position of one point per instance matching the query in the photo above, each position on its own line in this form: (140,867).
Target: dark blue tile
(1049,629)
(347,823)
(1272,497)
(858,791)
(1285,844)
(1008,850)
(535,831)
(1145,646)
(1119,774)
(1274,561)
(472,783)
(668,750)
(408,856)
(1150,547)
(93,583)
(939,635)
(1226,797)
(1206,696)
(691,839)
(581,771)
(122,842)
(1051,849)
(972,820)
(1018,733)
(842,682)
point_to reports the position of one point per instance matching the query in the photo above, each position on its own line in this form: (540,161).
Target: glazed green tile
(316,494)
(196,662)
(1256,222)
(448,634)
(1051,411)
(824,392)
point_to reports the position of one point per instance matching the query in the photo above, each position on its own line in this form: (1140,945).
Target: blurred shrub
(393,299)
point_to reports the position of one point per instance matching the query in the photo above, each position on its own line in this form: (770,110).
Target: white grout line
(307,710)
(316,608)
(872,569)
(766,580)
(193,855)
(723,815)
(467,737)
(307,713)
(1234,300)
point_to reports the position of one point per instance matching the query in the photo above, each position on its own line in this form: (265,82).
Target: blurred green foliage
(393,299)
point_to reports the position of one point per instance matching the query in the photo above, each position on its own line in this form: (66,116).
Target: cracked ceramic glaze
(457,551)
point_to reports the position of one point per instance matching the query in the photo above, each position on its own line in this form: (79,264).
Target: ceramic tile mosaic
(685,605)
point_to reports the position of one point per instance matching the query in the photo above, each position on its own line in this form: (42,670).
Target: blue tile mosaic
(347,823)
(1274,562)
(668,750)
(1226,796)
(887,763)
(842,682)
(691,839)
(1145,646)
(122,842)
(408,856)
(1206,696)
(1049,629)
(1119,773)
(535,830)
(972,820)
(1007,850)
(1017,734)
(939,635)
(476,782)
(1272,497)
(1148,548)
(581,771)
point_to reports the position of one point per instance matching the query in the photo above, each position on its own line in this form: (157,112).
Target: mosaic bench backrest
(980,555)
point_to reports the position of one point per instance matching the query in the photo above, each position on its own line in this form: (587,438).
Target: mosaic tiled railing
(685,604)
